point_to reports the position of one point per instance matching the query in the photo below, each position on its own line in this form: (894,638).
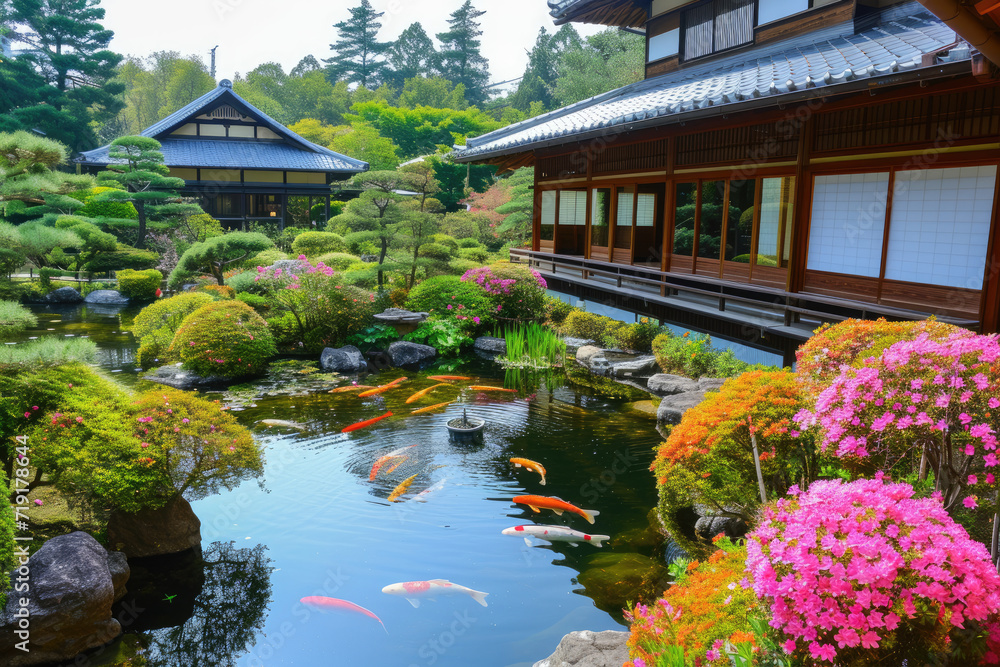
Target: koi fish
(447,377)
(382,460)
(401,488)
(530,465)
(367,422)
(323,602)
(431,407)
(357,387)
(399,462)
(556,534)
(423,495)
(423,392)
(557,505)
(479,387)
(412,591)
(286,424)
(381,388)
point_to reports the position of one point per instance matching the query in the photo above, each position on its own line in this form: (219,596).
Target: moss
(225,338)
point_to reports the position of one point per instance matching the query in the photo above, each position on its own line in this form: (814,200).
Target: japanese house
(782,164)
(241,164)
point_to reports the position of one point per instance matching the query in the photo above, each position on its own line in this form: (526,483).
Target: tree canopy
(358,55)
(460,59)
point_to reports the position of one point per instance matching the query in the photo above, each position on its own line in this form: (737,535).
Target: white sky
(251,32)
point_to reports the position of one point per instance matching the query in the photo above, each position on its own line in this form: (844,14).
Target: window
(664,45)
(774,239)
(623,219)
(717,26)
(687,197)
(713,197)
(848,223)
(601,212)
(739,223)
(548,217)
(573,207)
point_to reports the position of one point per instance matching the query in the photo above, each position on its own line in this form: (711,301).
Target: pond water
(318,526)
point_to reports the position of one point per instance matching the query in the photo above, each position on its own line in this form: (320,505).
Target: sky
(251,32)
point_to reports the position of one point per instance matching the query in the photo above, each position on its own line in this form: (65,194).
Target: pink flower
(27,415)
(185,420)
(79,420)
(972,479)
(970,502)
(476,319)
(38,502)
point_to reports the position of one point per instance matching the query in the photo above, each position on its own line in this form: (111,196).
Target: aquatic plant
(864,573)
(155,325)
(139,285)
(531,346)
(224,338)
(516,292)
(449,298)
(8,561)
(14,318)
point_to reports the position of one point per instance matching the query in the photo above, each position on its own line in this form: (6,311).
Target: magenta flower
(970,502)
(185,420)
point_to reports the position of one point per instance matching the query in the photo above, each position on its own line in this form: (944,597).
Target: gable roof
(294,152)
(622,13)
(890,53)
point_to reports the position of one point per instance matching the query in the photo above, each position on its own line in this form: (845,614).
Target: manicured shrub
(11,259)
(155,325)
(449,242)
(459,265)
(517,292)
(218,292)
(255,301)
(312,244)
(693,355)
(448,297)
(225,338)
(635,336)
(94,208)
(865,574)
(124,257)
(469,243)
(14,318)
(435,251)
(474,254)
(244,282)
(265,258)
(557,310)
(338,261)
(139,285)
(581,324)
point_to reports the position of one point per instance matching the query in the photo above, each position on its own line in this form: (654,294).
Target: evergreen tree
(359,55)
(605,61)
(306,65)
(411,55)
(539,80)
(460,60)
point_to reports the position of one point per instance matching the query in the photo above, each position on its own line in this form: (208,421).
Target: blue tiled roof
(293,153)
(894,46)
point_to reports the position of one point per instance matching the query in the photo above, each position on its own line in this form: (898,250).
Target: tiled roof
(293,153)
(892,47)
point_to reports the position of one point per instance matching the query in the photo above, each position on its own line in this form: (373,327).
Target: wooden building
(784,163)
(241,164)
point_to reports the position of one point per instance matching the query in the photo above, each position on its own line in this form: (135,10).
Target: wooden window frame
(682,41)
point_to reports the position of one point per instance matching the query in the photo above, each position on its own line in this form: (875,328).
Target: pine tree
(411,55)
(359,55)
(460,60)
(539,80)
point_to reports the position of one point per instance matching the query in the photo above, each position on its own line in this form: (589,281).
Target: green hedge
(225,338)
(155,325)
(311,244)
(338,261)
(139,285)
(124,258)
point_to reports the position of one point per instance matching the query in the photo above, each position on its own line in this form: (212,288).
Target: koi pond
(318,526)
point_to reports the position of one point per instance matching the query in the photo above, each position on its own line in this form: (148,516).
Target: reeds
(532,346)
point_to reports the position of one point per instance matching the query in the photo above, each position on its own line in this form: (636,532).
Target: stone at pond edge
(171,529)
(63,295)
(347,359)
(586,353)
(710,384)
(107,297)
(589,649)
(642,409)
(672,408)
(640,367)
(179,378)
(404,354)
(72,589)
(491,344)
(665,384)
(576,343)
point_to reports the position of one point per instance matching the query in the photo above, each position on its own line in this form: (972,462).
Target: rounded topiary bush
(225,338)
(475,254)
(155,325)
(312,244)
(469,243)
(436,251)
(264,258)
(338,261)
(94,208)
(448,297)
(581,324)
(218,291)
(139,285)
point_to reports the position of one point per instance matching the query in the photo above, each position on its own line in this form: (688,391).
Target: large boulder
(490,345)
(347,359)
(708,527)
(404,354)
(63,295)
(68,605)
(576,343)
(180,378)
(641,367)
(665,384)
(589,649)
(672,408)
(108,297)
(587,352)
(711,384)
(171,529)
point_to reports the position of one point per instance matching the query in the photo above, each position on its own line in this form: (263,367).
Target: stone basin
(403,321)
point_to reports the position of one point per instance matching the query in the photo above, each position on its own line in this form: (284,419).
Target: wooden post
(803,201)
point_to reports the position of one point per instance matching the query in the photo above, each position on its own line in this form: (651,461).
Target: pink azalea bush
(860,572)
(516,292)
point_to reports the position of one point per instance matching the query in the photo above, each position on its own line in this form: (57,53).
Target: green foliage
(445,336)
(14,318)
(532,346)
(445,297)
(155,325)
(459,59)
(201,227)
(338,261)
(38,240)
(557,310)
(312,244)
(245,282)
(139,285)
(45,275)
(465,243)
(432,91)
(637,336)
(376,337)
(11,259)
(478,255)
(435,251)
(95,208)
(605,61)
(214,255)
(225,338)
(358,55)
(259,303)
(8,561)
(48,351)
(581,324)
(123,258)
(264,258)
(694,356)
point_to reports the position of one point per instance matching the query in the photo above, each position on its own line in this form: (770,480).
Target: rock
(586,353)
(107,297)
(119,570)
(672,408)
(293,266)
(491,345)
(171,529)
(710,384)
(72,589)
(665,384)
(399,315)
(404,354)
(641,367)
(708,527)
(63,295)
(347,359)
(576,343)
(589,649)
(599,363)
(179,378)
(641,409)
(368,259)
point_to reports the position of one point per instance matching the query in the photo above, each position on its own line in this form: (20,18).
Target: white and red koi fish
(556,534)
(423,495)
(413,591)
(323,602)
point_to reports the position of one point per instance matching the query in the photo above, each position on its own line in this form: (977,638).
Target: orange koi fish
(382,460)
(557,505)
(356,387)
(367,422)
(447,377)
(533,466)
(423,392)
(323,602)
(380,388)
(480,387)
(401,488)
(431,407)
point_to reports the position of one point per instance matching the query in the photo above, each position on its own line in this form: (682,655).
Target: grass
(14,318)
(48,351)
(532,346)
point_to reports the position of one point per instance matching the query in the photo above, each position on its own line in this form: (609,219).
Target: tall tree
(538,82)
(69,49)
(605,61)
(412,54)
(460,59)
(359,56)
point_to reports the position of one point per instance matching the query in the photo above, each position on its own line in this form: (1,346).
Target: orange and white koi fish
(381,388)
(423,392)
(414,590)
(401,488)
(447,377)
(382,460)
(284,424)
(555,534)
(431,407)
(533,466)
(480,387)
(367,422)
(356,387)
(557,505)
(323,602)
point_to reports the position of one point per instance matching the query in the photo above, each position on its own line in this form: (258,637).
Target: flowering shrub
(516,292)
(863,573)
(155,325)
(139,285)
(938,396)
(704,612)
(225,338)
(449,298)
(820,358)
